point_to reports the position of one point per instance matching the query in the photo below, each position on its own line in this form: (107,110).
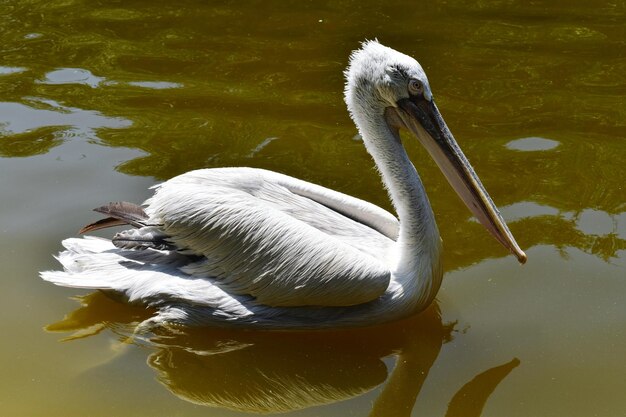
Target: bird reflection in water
(278,372)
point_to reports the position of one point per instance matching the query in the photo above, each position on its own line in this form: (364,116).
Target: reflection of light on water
(588,221)
(19,118)
(621,225)
(72,76)
(532,144)
(526,209)
(594,231)
(85,77)
(11,70)
(595,222)
(155,85)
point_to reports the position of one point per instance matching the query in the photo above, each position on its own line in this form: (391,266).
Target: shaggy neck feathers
(416,260)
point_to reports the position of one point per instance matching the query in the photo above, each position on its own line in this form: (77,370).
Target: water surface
(100,100)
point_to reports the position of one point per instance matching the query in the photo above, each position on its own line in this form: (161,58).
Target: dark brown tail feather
(120,213)
(102,224)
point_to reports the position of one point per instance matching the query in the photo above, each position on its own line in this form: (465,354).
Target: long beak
(422,118)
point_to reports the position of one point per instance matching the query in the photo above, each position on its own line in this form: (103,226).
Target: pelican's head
(378,77)
(383,82)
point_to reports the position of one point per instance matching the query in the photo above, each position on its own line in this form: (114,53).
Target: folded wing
(257,237)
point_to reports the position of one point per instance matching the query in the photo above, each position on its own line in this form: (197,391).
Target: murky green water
(99,100)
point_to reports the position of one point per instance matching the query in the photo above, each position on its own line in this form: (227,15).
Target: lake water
(100,100)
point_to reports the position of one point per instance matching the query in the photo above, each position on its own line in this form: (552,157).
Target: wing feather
(260,239)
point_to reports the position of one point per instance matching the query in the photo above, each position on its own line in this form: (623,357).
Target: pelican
(253,248)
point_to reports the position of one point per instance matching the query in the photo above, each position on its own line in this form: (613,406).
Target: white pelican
(253,248)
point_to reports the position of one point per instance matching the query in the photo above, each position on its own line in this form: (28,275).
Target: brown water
(99,100)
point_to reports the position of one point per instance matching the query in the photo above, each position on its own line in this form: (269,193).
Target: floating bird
(253,248)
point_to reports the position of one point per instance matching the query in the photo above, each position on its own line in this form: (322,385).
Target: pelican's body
(253,248)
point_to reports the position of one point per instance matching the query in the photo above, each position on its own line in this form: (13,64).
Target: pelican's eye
(415,87)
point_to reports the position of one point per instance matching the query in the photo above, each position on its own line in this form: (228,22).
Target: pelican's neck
(416,264)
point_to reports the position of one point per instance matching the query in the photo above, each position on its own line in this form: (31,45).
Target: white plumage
(254,248)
